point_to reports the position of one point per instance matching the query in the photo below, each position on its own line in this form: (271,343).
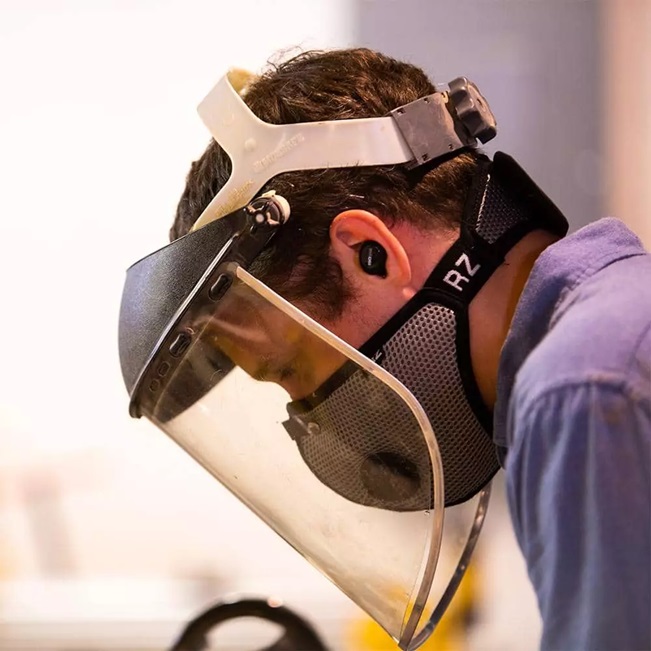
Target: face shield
(323,443)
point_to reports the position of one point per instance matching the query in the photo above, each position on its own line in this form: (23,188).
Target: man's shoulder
(580,425)
(600,331)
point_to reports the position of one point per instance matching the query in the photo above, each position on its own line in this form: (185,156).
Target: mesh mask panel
(498,213)
(380,462)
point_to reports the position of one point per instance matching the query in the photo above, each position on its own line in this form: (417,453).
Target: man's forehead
(258,332)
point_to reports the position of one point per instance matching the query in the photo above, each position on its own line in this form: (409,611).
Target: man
(553,333)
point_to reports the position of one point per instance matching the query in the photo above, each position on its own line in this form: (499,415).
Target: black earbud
(373,259)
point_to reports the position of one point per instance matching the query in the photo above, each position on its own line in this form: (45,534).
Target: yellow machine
(449,635)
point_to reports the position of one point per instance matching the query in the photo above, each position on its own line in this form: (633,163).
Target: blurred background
(110,536)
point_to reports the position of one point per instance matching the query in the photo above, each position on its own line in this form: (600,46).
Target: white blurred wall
(97,131)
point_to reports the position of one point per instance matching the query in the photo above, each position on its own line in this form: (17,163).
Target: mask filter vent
(358,442)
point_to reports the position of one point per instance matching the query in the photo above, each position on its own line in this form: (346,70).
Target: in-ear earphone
(373,258)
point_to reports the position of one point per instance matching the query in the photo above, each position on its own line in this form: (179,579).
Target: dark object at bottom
(297,636)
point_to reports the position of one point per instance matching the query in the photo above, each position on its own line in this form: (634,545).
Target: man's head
(441,226)
(398,420)
(314,260)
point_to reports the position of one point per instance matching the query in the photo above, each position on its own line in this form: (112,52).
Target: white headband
(416,133)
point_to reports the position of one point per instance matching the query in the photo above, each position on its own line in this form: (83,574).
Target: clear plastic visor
(324,445)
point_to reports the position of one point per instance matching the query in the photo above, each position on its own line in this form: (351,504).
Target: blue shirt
(573,417)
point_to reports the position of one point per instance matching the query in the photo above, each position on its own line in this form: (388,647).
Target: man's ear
(350,229)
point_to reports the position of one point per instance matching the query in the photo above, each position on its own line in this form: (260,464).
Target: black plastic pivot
(472,109)
(269,208)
